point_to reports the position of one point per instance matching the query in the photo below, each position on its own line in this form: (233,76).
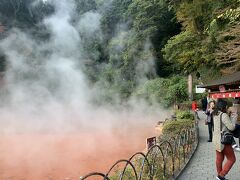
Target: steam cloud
(50,127)
(45,88)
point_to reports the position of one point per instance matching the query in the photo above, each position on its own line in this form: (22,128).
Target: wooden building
(224,87)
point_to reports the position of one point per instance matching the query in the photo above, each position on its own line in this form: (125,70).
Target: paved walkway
(202,164)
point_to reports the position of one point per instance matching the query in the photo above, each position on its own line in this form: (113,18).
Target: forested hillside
(140,48)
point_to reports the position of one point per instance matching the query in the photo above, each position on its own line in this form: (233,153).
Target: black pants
(210,131)
(237,126)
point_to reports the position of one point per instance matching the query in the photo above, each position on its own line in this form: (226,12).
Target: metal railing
(162,161)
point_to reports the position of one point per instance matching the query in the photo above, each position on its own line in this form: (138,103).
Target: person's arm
(227,122)
(208,112)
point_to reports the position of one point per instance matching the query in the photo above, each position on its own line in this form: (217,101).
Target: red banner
(225,95)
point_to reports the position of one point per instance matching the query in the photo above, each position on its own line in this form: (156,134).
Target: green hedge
(184,119)
(174,127)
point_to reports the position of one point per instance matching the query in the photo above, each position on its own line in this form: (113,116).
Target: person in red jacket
(195,109)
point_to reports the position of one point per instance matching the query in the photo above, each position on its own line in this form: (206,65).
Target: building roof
(225,80)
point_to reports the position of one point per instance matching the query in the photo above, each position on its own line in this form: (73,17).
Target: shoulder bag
(226,136)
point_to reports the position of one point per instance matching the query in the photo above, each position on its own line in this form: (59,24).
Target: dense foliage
(164,91)
(141,45)
(208,37)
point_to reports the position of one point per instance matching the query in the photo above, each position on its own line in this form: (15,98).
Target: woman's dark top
(209,117)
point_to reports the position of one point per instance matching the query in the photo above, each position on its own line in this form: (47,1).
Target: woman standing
(209,113)
(221,118)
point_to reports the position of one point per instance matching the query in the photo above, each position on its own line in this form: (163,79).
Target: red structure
(225,87)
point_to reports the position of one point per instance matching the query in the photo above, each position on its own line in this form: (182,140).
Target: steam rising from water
(45,89)
(49,126)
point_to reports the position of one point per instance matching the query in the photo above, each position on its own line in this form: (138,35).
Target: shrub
(186,105)
(184,115)
(174,127)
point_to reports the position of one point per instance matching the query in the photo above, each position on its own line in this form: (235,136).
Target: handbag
(206,122)
(226,136)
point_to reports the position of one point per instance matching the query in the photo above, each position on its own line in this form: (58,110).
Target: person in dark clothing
(209,113)
(204,104)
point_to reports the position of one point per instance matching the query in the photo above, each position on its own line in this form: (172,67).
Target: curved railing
(164,160)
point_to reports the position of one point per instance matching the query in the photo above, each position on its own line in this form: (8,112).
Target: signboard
(151,141)
(225,95)
(200,90)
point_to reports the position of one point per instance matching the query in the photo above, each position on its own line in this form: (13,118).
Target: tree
(2,63)
(184,52)
(153,20)
(112,15)
(24,14)
(164,91)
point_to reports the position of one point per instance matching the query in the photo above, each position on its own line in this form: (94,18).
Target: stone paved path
(202,164)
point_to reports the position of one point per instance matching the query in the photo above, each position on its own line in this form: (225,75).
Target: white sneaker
(236,147)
